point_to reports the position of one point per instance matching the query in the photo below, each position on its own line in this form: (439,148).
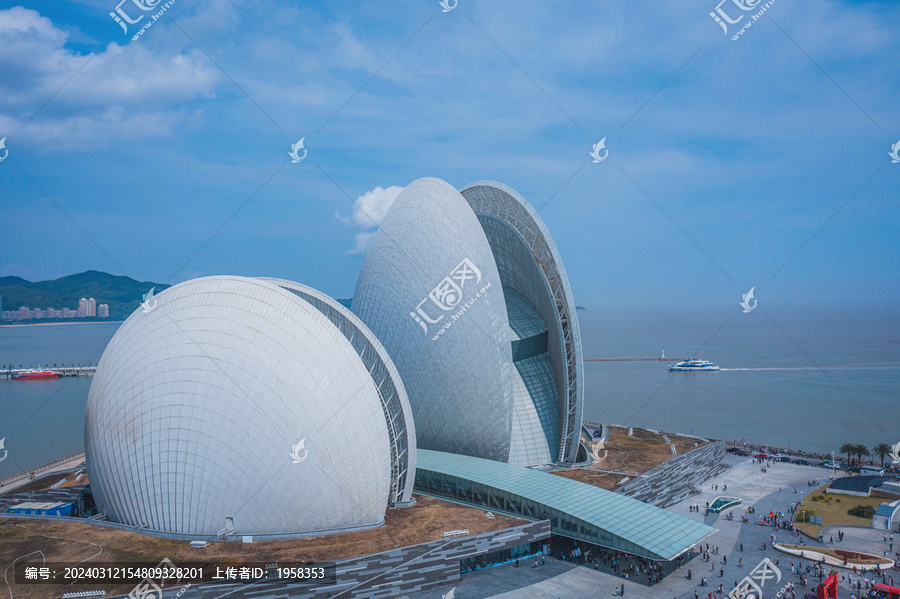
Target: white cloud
(98,96)
(368,212)
(77,132)
(361,243)
(370,208)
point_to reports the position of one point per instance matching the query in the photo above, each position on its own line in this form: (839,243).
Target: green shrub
(862,511)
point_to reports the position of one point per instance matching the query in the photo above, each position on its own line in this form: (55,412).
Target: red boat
(36,374)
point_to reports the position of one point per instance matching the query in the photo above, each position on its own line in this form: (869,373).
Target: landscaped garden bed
(854,558)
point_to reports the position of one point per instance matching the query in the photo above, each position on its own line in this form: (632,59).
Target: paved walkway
(866,540)
(23,478)
(744,480)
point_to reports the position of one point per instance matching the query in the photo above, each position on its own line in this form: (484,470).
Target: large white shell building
(468,293)
(247,406)
(262,407)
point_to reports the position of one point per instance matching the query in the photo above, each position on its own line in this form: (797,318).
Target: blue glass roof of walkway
(657,531)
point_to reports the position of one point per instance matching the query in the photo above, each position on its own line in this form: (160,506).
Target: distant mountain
(122,294)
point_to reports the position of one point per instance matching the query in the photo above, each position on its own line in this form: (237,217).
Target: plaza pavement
(560,579)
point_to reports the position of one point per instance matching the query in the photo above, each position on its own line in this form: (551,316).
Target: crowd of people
(629,567)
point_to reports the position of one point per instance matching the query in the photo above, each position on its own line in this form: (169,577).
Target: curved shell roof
(235,405)
(430,291)
(529,262)
(394,402)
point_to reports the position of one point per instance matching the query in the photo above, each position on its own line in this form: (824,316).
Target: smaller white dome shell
(198,405)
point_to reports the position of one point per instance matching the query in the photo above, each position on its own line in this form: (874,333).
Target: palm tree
(847,449)
(861,450)
(882,450)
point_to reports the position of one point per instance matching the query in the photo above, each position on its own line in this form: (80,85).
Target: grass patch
(426,521)
(832,509)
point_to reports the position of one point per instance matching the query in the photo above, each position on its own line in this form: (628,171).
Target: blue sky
(166,157)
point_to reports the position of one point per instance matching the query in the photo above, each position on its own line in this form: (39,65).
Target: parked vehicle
(871,471)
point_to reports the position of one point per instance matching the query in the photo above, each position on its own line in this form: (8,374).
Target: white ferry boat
(692,365)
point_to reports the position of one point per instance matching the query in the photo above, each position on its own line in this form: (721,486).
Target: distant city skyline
(761,162)
(87,307)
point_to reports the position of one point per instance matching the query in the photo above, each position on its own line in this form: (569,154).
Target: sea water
(803,379)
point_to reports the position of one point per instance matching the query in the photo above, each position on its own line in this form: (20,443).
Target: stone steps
(678,478)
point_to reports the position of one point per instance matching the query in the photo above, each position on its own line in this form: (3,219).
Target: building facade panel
(394,401)
(529,262)
(430,291)
(198,407)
